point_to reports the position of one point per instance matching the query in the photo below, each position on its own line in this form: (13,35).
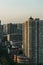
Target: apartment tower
(33,40)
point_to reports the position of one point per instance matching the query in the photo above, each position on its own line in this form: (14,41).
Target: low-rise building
(21,59)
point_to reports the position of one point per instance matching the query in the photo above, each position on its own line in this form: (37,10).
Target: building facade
(1,33)
(13,32)
(33,40)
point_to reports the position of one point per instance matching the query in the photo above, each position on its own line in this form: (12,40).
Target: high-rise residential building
(33,40)
(29,39)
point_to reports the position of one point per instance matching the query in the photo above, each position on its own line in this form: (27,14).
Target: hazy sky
(20,10)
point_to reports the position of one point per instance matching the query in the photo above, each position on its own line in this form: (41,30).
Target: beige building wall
(26,39)
(8,37)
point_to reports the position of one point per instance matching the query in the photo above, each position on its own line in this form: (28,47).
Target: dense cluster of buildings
(13,33)
(24,41)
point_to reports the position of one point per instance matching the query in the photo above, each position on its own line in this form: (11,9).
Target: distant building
(1,32)
(13,33)
(8,28)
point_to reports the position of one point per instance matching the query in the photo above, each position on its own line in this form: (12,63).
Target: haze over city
(20,10)
(21,32)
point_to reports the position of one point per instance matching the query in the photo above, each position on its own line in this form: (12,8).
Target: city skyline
(20,10)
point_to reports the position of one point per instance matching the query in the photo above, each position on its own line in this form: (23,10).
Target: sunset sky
(20,10)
